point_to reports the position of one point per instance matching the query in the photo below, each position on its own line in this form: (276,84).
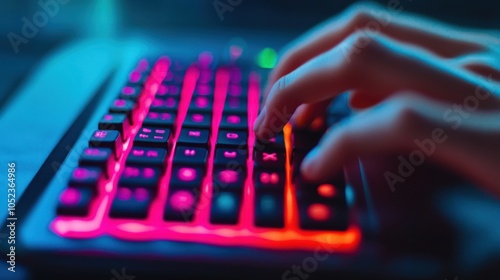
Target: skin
(407,76)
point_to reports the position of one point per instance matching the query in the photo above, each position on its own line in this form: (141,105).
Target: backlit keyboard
(175,158)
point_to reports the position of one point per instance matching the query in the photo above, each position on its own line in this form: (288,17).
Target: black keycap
(201,104)
(186,177)
(166,90)
(98,157)
(269,181)
(181,205)
(235,90)
(107,139)
(306,139)
(137,77)
(230,179)
(203,90)
(131,203)
(140,156)
(269,160)
(159,119)
(152,137)
(190,155)
(330,192)
(232,139)
(322,216)
(235,105)
(269,210)
(206,76)
(134,176)
(194,136)
(234,121)
(123,106)
(275,144)
(225,208)
(131,92)
(297,158)
(230,157)
(197,120)
(86,176)
(117,122)
(169,104)
(74,202)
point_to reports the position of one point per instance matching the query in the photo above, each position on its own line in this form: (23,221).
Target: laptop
(130,154)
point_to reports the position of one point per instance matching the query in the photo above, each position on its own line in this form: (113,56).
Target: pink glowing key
(120,103)
(234,90)
(228,154)
(137,153)
(269,178)
(108,117)
(201,102)
(194,133)
(160,131)
(157,103)
(197,118)
(189,153)
(182,200)
(152,154)
(95,152)
(135,77)
(147,130)
(141,194)
(144,136)
(205,59)
(187,174)
(124,194)
(131,172)
(100,134)
(170,102)
(128,90)
(165,116)
(70,196)
(230,135)
(203,90)
(234,119)
(269,156)
(148,172)
(153,115)
(228,176)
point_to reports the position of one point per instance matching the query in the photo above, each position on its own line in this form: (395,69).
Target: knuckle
(365,46)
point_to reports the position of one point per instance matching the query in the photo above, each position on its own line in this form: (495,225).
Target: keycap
(190,155)
(232,139)
(166,90)
(131,203)
(137,77)
(235,105)
(225,208)
(130,92)
(197,120)
(203,90)
(107,139)
(234,121)
(306,139)
(185,176)
(193,137)
(321,216)
(297,158)
(275,144)
(123,106)
(98,157)
(74,202)
(119,122)
(269,181)
(86,176)
(230,179)
(159,119)
(181,205)
(236,90)
(269,160)
(152,137)
(140,156)
(206,76)
(169,104)
(269,210)
(135,176)
(230,156)
(201,104)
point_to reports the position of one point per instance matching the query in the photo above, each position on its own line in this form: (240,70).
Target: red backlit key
(181,205)
(275,144)
(197,120)
(235,105)
(230,157)
(86,176)
(131,203)
(99,157)
(165,91)
(168,104)
(229,179)
(130,92)
(190,155)
(203,90)
(107,139)
(269,210)
(234,121)
(152,137)
(200,104)
(117,122)
(160,119)
(123,106)
(193,137)
(186,177)
(269,160)
(146,177)
(140,156)
(269,181)
(232,139)
(74,202)
(225,208)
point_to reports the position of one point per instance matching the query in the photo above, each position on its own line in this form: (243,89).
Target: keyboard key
(275,144)
(269,210)
(232,139)
(191,137)
(165,91)
(152,137)
(230,179)
(74,202)
(306,139)
(201,104)
(117,122)
(137,77)
(160,119)
(107,139)
(203,90)
(235,90)
(140,156)
(184,176)
(225,208)
(269,160)
(168,104)
(234,121)
(269,181)
(181,205)
(235,105)
(98,157)
(190,155)
(123,106)
(197,120)
(321,216)
(133,176)
(229,156)
(86,176)
(131,92)
(131,203)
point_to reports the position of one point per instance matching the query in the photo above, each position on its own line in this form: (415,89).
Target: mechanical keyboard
(175,158)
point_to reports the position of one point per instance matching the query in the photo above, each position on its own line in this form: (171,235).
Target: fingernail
(308,164)
(259,120)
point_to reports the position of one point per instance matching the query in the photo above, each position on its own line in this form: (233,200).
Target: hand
(424,86)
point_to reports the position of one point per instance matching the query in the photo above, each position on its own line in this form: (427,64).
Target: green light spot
(267,58)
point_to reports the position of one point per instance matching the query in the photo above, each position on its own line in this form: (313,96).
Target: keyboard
(175,158)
